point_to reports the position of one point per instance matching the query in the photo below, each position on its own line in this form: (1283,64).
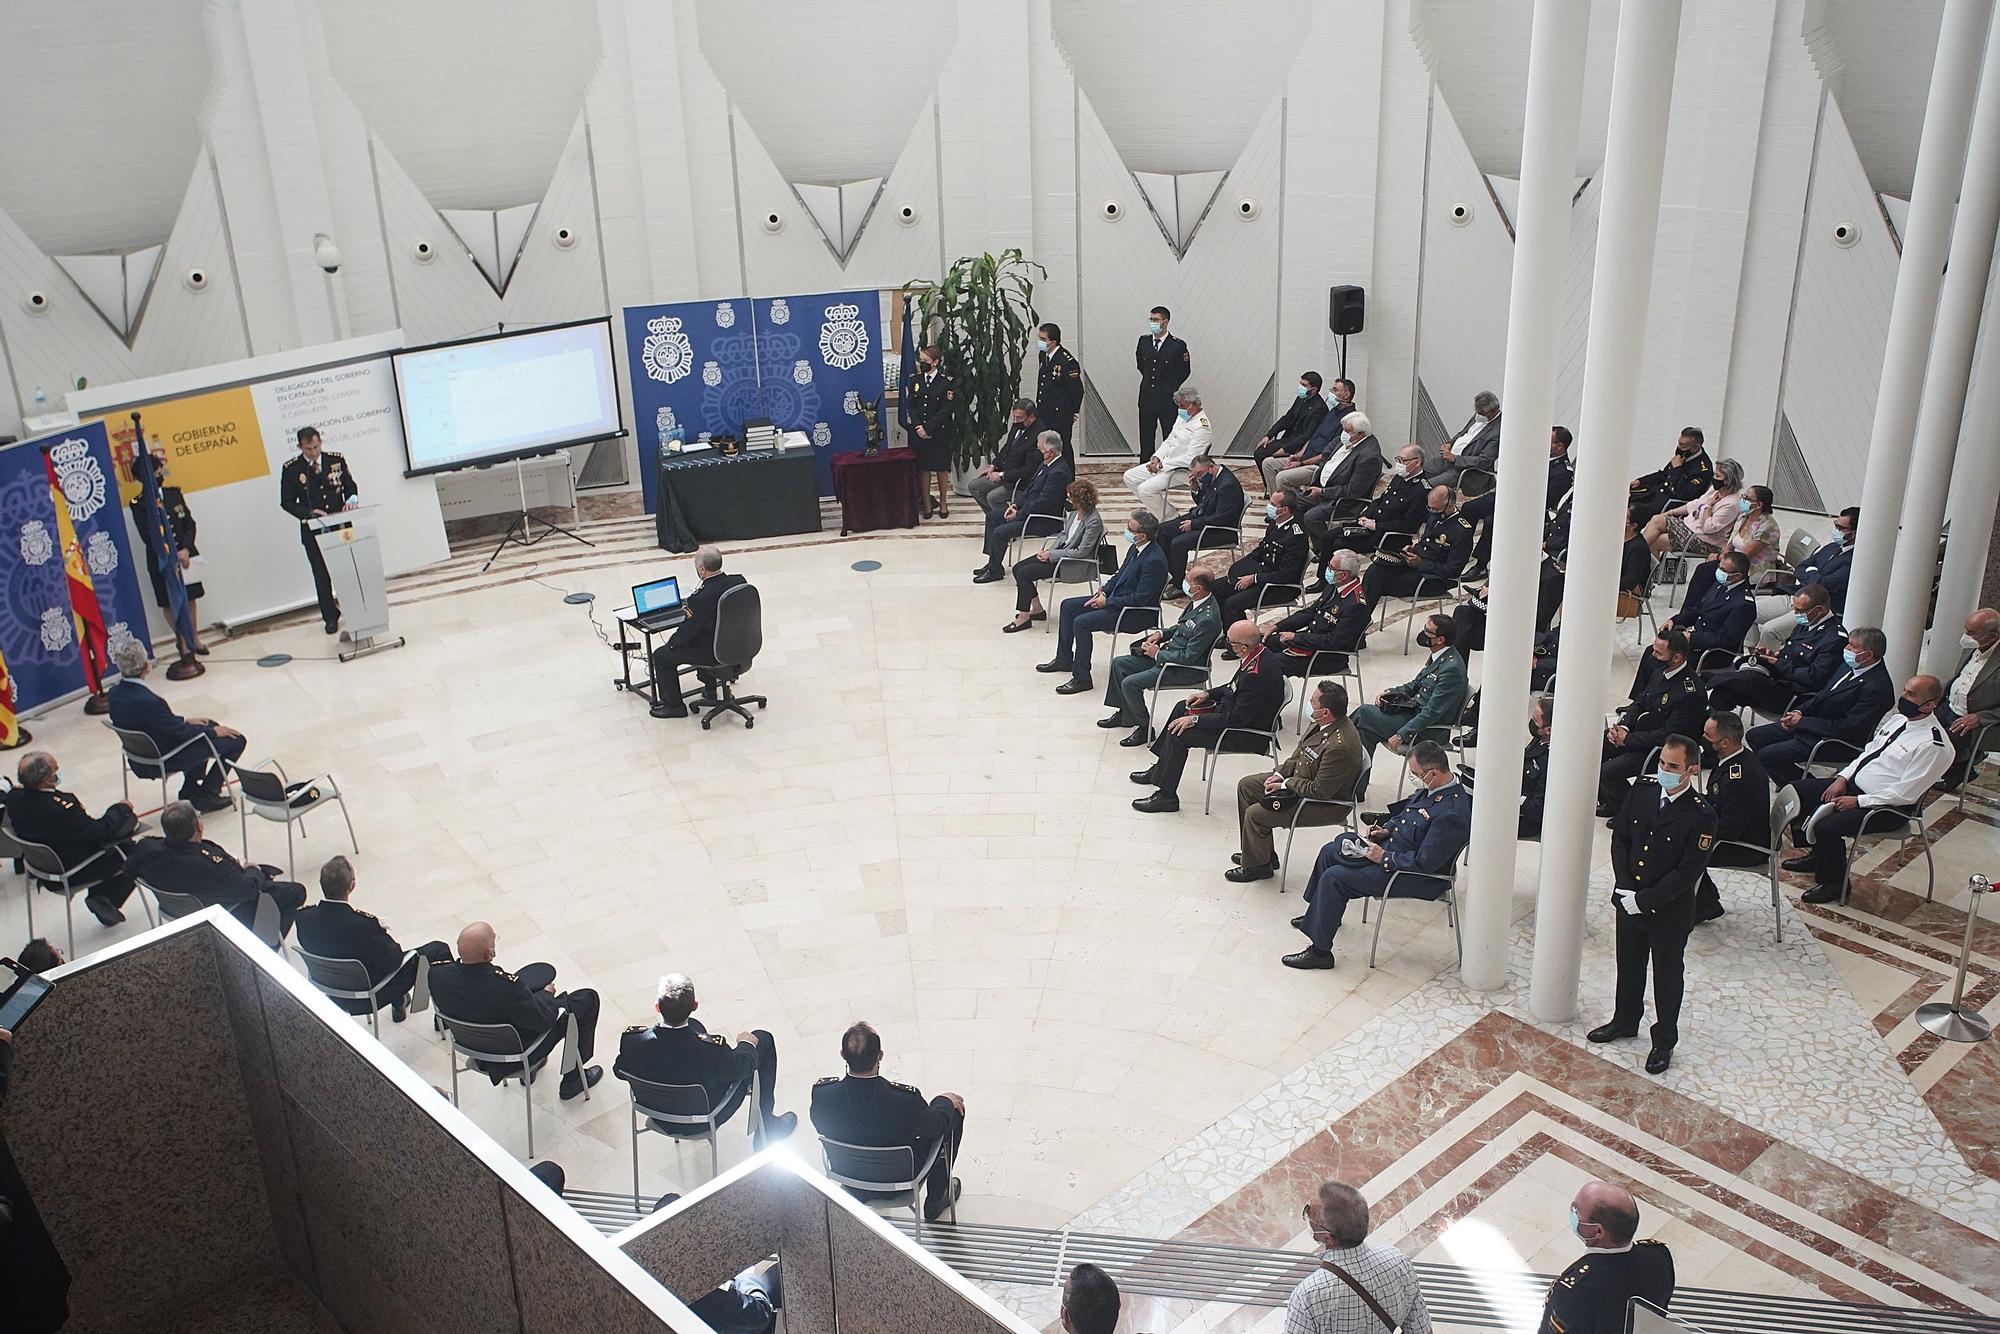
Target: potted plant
(982,317)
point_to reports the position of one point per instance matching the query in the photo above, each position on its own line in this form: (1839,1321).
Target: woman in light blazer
(1082,533)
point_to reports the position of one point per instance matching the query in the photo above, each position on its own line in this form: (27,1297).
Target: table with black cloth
(715,497)
(884,490)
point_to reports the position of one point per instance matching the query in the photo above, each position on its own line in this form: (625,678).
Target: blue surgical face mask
(1303,391)
(1270,510)
(1130,537)
(1853,661)
(1152,326)
(1187,588)
(1801,618)
(1182,414)
(1329,576)
(1575,1223)
(1041,345)
(1722,576)
(1839,538)
(1667,778)
(1742,504)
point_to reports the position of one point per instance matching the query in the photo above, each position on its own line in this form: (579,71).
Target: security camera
(907,214)
(774,221)
(195,279)
(1845,234)
(1460,215)
(36,303)
(1112,210)
(1246,209)
(565,238)
(325,253)
(423,251)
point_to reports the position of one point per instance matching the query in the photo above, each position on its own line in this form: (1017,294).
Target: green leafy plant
(982,317)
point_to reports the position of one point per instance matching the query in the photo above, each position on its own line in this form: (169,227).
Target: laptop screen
(659,595)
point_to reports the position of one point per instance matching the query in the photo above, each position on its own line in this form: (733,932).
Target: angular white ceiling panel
(116,285)
(1876,57)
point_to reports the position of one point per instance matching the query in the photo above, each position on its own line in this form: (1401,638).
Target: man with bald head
(1972,703)
(1909,752)
(1248,704)
(475,989)
(1591,1296)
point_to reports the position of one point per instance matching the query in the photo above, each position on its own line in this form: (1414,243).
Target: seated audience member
(1314,787)
(1757,536)
(1325,439)
(1389,520)
(1718,612)
(679,1050)
(1908,752)
(1249,703)
(1827,566)
(1186,645)
(1151,480)
(1339,483)
(747,1304)
(864,1108)
(1431,698)
(40,812)
(1423,833)
(181,861)
(476,990)
(1468,626)
(1478,510)
(1844,711)
(1687,475)
(1477,444)
(1043,494)
(1701,526)
(1081,535)
(40,955)
(1089,1301)
(1294,430)
(1277,562)
(135,708)
(1335,622)
(1013,463)
(1534,766)
(693,641)
(1739,791)
(1635,568)
(334,928)
(1137,584)
(1592,1295)
(1666,700)
(1769,679)
(1218,503)
(1972,702)
(1428,564)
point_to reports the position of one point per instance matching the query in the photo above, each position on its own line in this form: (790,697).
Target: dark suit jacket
(1828,565)
(877,1112)
(1019,457)
(1140,580)
(689,1054)
(1714,616)
(136,708)
(485,993)
(1326,436)
(336,929)
(1044,493)
(1357,474)
(1161,372)
(1302,417)
(696,634)
(1635,563)
(1849,707)
(1219,500)
(1427,829)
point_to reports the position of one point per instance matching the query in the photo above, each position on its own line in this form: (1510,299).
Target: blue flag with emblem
(158,533)
(908,371)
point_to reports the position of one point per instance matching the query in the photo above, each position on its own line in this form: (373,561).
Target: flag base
(185,669)
(22,737)
(97,705)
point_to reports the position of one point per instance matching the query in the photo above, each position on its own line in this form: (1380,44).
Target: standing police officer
(1164,367)
(314,484)
(1660,841)
(1058,387)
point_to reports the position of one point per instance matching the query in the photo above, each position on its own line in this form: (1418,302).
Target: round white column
(1642,88)
(1975,490)
(1926,236)
(1527,400)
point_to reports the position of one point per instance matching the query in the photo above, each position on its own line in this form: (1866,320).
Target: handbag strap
(1362,1292)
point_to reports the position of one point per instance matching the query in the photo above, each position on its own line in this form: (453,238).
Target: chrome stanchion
(1954,1022)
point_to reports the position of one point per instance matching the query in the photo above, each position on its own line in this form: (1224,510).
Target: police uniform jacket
(1716,616)
(1332,623)
(1428,829)
(1562,480)
(1059,387)
(697,632)
(485,993)
(1188,644)
(689,1054)
(57,819)
(1019,457)
(1740,792)
(1299,421)
(1849,706)
(336,929)
(1828,566)
(303,488)
(1044,492)
(1681,480)
(1162,370)
(202,869)
(1279,558)
(1591,1296)
(1534,785)
(1437,690)
(1250,700)
(1663,704)
(1218,500)
(876,1112)
(1811,656)
(1555,530)
(931,408)
(1401,508)
(180,529)
(1325,764)
(1444,545)
(1659,849)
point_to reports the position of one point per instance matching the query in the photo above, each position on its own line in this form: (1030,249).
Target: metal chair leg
(1381,916)
(291,859)
(528,1100)
(635,1160)
(69,916)
(351,839)
(1777,912)
(1285,866)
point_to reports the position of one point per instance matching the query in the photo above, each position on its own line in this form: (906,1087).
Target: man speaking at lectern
(314,484)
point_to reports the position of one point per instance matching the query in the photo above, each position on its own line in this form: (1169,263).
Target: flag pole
(158,532)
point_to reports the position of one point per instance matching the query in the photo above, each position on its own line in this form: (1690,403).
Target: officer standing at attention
(1591,1296)
(866,1109)
(1058,386)
(1660,841)
(933,428)
(316,483)
(679,1050)
(1164,367)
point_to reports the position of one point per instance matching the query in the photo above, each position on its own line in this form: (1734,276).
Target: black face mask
(1424,638)
(1909,708)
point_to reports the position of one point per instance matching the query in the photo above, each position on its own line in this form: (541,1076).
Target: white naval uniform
(1189,438)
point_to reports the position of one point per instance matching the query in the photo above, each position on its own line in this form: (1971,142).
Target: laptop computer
(657,605)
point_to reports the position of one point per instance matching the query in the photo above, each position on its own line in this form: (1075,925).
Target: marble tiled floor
(919,833)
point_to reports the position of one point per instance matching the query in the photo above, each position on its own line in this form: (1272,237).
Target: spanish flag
(89,617)
(10,726)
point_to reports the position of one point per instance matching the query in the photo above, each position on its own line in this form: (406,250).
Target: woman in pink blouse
(1757,533)
(1702,525)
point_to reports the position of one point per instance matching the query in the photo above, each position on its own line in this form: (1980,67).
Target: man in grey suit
(1972,697)
(1477,444)
(1186,645)
(1432,698)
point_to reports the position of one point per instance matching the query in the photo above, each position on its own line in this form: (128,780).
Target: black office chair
(739,637)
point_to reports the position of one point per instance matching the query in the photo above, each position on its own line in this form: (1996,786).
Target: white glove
(1628,900)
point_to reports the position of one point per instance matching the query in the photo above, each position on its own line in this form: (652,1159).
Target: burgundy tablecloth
(878,490)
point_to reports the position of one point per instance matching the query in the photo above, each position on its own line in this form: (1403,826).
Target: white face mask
(1967,641)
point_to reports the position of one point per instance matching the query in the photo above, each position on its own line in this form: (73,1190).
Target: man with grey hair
(1189,439)
(135,708)
(181,861)
(1477,444)
(39,811)
(1357,1288)
(692,643)
(334,928)
(679,1050)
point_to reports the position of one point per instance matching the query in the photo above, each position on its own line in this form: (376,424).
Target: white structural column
(1975,490)
(1946,377)
(1642,88)
(1926,236)
(1527,396)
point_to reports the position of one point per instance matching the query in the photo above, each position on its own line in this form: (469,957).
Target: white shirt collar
(1612,1250)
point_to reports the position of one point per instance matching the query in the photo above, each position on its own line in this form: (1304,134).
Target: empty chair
(1415,883)
(271,796)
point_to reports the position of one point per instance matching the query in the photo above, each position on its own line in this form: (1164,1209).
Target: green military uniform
(1186,645)
(1325,767)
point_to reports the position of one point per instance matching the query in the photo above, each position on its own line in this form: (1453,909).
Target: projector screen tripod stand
(521,532)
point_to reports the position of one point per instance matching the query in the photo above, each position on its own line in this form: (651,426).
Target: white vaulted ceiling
(101,110)
(1876,57)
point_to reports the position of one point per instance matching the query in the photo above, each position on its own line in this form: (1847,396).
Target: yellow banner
(210,439)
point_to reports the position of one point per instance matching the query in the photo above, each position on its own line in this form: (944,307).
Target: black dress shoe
(1051,668)
(1658,1059)
(779,1126)
(1160,803)
(211,803)
(1229,655)
(1801,863)
(1606,811)
(1015,627)
(1309,958)
(935,1209)
(1374,817)
(104,910)
(1245,874)
(1038,616)
(1611,1033)
(1299,922)
(1141,736)
(1076,685)
(572,1086)
(989,575)
(668,711)
(1143,777)
(1821,894)
(1115,720)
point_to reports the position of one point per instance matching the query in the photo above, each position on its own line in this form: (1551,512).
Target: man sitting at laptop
(692,643)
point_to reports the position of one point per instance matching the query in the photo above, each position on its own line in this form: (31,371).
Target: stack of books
(759,433)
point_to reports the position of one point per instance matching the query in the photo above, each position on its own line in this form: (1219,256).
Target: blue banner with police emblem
(82,456)
(37,631)
(693,367)
(819,360)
